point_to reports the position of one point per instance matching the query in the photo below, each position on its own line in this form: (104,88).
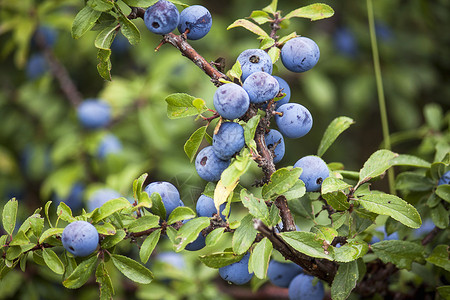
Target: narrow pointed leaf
(281,181)
(9,215)
(260,257)
(244,236)
(52,260)
(252,27)
(132,269)
(307,243)
(193,143)
(219,260)
(345,280)
(81,274)
(314,12)
(336,127)
(376,165)
(84,21)
(149,245)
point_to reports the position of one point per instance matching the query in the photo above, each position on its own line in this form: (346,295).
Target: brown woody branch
(322,269)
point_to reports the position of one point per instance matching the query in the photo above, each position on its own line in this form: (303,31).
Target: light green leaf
(337,200)
(219,260)
(100,5)
(307,243)
(140,3)
(52,260)
(105,229)
(112,240)
(260,17)
(189,232)
(266,43)
(296,191)
(272,7)
(274,54)
(249,26)
(281,181)
(180,105)
(400,253)
(314,12)
(132,269)
(256,207)
(409,160)
(239,165)
(439,257)
(244,236)
(350,251)
(180,213)
(158,207)
(129,30)
(104,63)
(336,127)
(345,280)
(193,143)
(137,186)
(143,223)
(236,71)
(214,236)
(50,232)
(110,207)
(84,21)
(444,291)
(331,184)
(149,245)
(65,213)
(286,38)
(260,257)
(20,239)
(105,37)
(325,233)
(222,192)
(376,165)
(443,191)
(250,129)
(393,206)
(9,215)
(104,281)
(440,216)
(81,274)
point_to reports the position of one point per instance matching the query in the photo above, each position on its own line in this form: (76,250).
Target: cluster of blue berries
(163,17)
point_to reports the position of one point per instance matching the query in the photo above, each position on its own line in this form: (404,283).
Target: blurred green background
(44,150)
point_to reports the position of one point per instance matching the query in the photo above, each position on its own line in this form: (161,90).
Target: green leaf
(158,207)
(444,291)
(65,213)
(236,71)
(437,169)
(410,181)
(393,206)
(314,12)
(331,184)
(400,253)
(84,21)
(325,233)
(250,129)
(105,229)
(110,207)
(193,143)
(140,3)
(286,38)
(112,240)
(132,269)
(443,191)
(81,274)
(440,216)
(129,30)
(345,280)
(336,127)
(143,223)
(52,260)
(222,192)
(46,209)
(260,257)
(20,239)
(307,243)
(266,43)
(433,116)
(149,245)
(104,281)
(244,236)
(219,260)
(104,63)
(274,216)
(105,37)
(214,236)
(337,200)
(439,257)
(180,105)
(296,191)
(189,232)
(34,222)
(376,165)
(409,160)
(239,165)
(180,213)
(50,232)
(137,186)
(350,251)
(256,207)
(9,215)
(272,7)
(260,17)
(100,5)
(281,181)
(249,26)
(274,54)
